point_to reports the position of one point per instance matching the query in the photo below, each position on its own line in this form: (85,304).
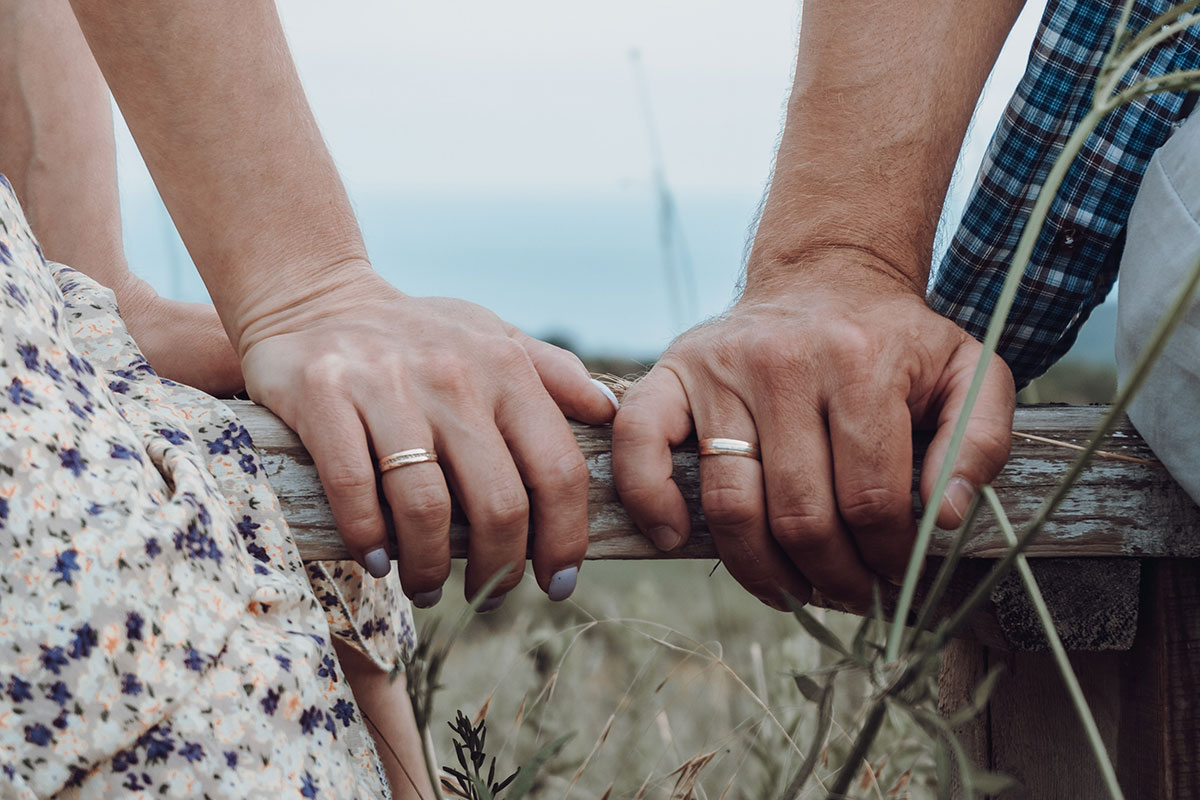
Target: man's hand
(831,356)
(829,376)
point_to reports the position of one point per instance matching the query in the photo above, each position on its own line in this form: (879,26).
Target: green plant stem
(431,763)
(1056,648)
(942,582)
(1146,41)
(1008,294)
(858,751)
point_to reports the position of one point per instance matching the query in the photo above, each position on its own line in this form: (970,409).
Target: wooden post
(1146,702)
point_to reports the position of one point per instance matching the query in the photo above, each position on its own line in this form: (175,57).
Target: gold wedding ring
(406,458)
(728,447)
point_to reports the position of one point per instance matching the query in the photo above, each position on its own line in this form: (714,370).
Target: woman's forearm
(56,138)
(215,104)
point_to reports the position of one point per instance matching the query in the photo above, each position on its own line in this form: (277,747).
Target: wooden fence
(1114,564)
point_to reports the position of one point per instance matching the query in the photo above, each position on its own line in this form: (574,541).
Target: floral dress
(159,635)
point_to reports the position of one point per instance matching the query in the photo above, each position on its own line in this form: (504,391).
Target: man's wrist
(777,270)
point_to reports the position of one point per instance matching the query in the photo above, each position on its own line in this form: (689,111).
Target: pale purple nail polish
(562,585)
(612,398)
(491,604)
(664,537)
(377,562)
(427,599)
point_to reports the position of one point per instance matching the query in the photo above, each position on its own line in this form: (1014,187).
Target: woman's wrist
(293,295)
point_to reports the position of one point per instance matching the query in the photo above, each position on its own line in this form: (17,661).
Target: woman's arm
(56,147)
(357,368)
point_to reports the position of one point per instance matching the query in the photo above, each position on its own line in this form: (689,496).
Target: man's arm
(56,147)
(831,356)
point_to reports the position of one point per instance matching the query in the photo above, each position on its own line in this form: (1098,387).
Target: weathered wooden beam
(1119,508)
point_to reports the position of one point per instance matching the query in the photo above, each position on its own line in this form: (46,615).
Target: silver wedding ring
(728,447)
(406,458)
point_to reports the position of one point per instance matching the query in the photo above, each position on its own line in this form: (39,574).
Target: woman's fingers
(556,476)
(338,446)
(420,505)
(478,466)
(565,377)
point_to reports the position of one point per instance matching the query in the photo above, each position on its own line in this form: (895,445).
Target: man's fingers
(338,447)
(420,505)
(803,516)
(553,470)
(568,382)
(988,438)
(870,430)
(733,498)
(653,416)
(477,464)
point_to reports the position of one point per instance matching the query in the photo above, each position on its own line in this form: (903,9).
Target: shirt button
(1067,237)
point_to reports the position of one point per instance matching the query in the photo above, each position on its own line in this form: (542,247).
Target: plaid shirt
(1075,260)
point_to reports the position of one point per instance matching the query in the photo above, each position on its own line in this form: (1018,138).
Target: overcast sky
(482,95)
(526,100)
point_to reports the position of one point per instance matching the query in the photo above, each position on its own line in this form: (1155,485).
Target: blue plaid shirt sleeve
(1075,260)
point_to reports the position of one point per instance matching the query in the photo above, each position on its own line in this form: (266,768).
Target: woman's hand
(361,370)
(184,342)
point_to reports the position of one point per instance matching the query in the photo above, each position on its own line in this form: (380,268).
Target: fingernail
(612,398)
(491,604)
(664,537)
(377,562)
(562,585)
(959,494)
(427,599)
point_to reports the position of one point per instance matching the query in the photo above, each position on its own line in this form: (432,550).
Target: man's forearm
(56,138)
(216,107)
(882,97)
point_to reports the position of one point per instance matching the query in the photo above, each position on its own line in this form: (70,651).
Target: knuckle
(511,356)
(449,377)
(803,531)
(507,509)
(727,506)
(324,372)
(427,506)
(345,480)
(566,473)
(360,525)
(869,507)
(636,494)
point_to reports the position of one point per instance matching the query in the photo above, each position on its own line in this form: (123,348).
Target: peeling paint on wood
(1119,508)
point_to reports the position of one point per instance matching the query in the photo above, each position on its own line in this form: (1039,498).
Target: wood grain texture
(1159,744)
(1119,508)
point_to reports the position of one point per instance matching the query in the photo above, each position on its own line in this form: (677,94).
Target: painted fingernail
(612,398)
(664,537)
(491,604)
(562,585)
(959,494)
(427,599)
(377,562)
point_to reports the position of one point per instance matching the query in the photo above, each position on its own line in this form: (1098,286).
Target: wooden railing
(1115,564)
(1123,506)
